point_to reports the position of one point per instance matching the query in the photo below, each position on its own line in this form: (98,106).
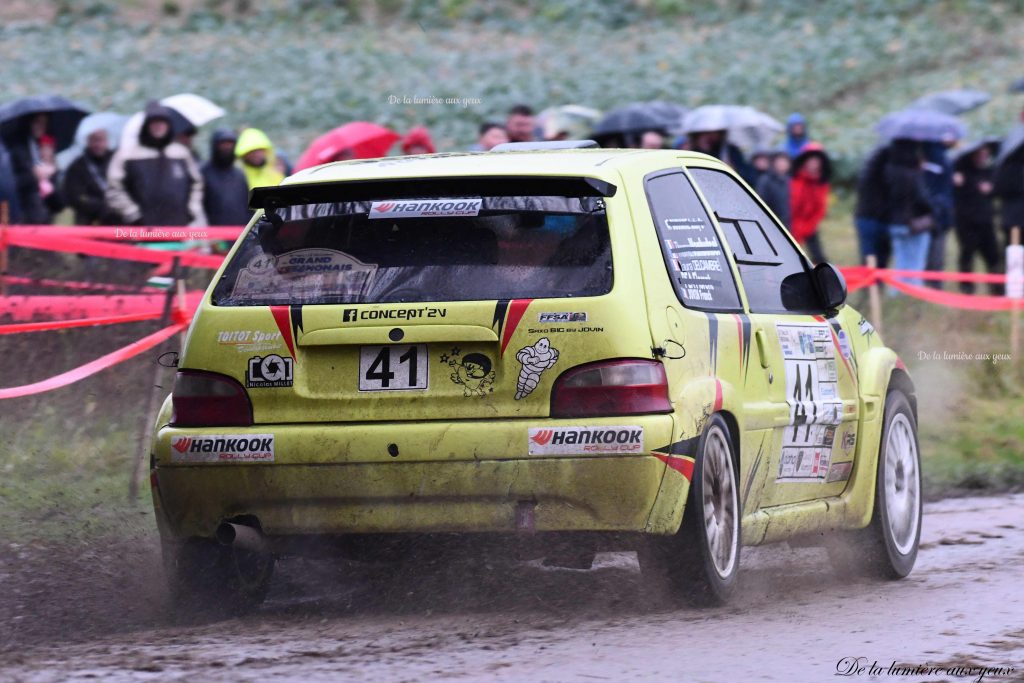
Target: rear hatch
(439,300)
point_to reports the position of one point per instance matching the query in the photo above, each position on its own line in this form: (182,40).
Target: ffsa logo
(349,315)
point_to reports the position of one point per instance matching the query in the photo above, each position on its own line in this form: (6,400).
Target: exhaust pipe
(242,537)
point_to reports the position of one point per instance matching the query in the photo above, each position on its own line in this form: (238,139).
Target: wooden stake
(155,392)
(4,217)
(874,297)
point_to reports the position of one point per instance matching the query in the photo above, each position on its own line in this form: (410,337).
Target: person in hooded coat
(974,215)
(259,162)
(796,134)
(85,183)
(225,189)
(774,184)
(808,197)
(938,181)
(1009,188)
(417,141)
(871,213)
(157,181)
(910,211)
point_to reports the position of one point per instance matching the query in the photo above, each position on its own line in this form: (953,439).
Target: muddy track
(81,614)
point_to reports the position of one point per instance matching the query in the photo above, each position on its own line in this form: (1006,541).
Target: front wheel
(888,547)
(701,562)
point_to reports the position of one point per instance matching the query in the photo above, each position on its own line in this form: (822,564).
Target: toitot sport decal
(507,315)
(713,341)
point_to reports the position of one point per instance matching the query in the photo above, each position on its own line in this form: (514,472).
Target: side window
(696,262)
(774,274)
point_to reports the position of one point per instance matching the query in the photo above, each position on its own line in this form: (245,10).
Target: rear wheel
(888,546)
(209,578)
(701,562)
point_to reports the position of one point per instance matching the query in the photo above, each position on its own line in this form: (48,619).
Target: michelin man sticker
(535,360)
(812,391)
(472,372)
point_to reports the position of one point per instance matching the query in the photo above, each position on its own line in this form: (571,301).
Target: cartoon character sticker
(472,372)
(535,360)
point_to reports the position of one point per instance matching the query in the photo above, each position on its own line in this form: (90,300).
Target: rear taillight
(619,387)
(206,399)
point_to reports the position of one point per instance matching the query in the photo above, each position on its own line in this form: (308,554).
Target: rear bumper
(447,477)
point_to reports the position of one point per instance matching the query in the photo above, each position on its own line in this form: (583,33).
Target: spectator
(259,162)
(974,214)
(910,213)
(32,172)
(225,189)
(519,124)
(8,185)
(156,182)
(773,186)
(1009,188)
(715,143)
(808,198)
(938,182)
(760,162)
(652,139)
(796,134)
(417,141)
(871,213)
(85,182)
(491,134)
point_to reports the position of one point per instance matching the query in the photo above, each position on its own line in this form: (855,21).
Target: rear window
(430,249)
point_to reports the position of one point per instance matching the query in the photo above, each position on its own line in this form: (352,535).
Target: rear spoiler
(420,188)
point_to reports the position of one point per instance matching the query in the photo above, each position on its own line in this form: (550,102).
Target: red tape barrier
(31,308)
(131,233)
(70,284)
(123,252)
(858,277)
(102,363)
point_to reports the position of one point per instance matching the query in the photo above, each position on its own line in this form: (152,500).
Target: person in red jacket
(808,197)
(417,141)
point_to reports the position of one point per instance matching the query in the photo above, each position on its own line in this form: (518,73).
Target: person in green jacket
(259,162)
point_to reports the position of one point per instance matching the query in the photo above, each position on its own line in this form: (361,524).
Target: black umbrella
(1017,85)
(630,120)
(959,155)
(65,116)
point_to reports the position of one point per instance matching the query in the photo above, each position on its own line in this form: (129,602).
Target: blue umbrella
(110,121)
(954,102)
(922,125)
(64,114)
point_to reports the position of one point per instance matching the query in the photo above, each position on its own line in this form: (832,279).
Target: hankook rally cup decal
(223,448)
(424,208)
(535,360)
(585,440)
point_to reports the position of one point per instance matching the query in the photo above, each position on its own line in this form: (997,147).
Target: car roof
(598,163)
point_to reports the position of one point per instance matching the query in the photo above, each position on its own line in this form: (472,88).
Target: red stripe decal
(819,318)
(516,310)
(739,336)
(718,395)
(679,463)
(283,320)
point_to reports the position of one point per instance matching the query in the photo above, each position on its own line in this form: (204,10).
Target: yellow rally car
(621,348)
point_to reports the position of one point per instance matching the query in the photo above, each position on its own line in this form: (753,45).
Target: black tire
(210,579)
(701,562)
(887,547)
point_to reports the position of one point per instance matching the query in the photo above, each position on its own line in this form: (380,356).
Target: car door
(698,322)
(812,386)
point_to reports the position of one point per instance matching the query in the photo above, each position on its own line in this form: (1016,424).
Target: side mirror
(831,286)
